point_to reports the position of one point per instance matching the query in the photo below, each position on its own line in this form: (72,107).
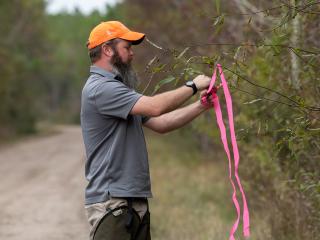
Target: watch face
(193,86)
(189,83)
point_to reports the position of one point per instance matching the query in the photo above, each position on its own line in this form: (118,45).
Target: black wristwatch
(193,86)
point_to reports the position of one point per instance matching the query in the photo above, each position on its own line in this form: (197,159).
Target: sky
(85,6)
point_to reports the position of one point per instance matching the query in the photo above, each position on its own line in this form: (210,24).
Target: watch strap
(193,86)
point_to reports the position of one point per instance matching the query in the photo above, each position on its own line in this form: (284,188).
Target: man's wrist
(192,85)
(201,107)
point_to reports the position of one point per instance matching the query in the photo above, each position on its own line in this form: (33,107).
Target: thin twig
(251,13)
(272,9)
(302,59)
(250,45)
(150,80)
(296,104)
(268,99)
(155,45)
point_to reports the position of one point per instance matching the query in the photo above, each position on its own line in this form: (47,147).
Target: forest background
(270,51)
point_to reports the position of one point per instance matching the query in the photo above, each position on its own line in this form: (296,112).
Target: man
(112,115)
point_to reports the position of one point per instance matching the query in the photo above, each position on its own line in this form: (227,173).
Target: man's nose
(131,53)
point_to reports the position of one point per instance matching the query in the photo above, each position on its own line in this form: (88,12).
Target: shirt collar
(100,71)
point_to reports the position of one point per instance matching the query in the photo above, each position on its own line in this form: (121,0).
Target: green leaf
(218,4)
(253,101)
(219,20)
(218,24)
(159,68)
(162,82)
(208,60)
(189,72)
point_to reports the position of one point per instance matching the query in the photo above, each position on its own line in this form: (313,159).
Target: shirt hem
(94,200)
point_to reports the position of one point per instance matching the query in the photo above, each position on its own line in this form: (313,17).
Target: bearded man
(112,116)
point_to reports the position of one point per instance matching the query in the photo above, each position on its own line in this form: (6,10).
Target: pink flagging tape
(216,105)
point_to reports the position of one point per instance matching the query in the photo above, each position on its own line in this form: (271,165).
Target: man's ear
(107,50)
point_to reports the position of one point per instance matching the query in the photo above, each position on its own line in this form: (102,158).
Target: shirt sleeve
(115,99)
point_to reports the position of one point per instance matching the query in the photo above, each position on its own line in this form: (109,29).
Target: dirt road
(42,183)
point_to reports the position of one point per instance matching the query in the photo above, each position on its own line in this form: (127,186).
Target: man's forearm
(166,102)
(171,100)
(176,119)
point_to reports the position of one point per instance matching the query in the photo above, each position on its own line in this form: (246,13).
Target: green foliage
(22,48)
(290,142)
(277,125)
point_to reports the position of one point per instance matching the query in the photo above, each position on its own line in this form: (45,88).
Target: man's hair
(95,53)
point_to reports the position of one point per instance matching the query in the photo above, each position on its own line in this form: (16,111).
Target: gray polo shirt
(117,159)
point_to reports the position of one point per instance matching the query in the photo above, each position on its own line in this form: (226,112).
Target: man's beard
(125,70)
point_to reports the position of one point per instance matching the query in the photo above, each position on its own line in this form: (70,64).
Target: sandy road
(41,186)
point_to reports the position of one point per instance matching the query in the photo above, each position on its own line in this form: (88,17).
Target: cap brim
(134,37)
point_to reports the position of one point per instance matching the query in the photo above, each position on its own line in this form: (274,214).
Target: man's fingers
(203,93)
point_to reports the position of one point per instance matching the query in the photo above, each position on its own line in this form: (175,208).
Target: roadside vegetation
(270,54)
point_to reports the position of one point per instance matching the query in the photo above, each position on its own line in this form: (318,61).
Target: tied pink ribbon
(216,105)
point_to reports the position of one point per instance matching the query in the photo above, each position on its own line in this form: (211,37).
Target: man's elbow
(157,125)
(157,106)
(160,130)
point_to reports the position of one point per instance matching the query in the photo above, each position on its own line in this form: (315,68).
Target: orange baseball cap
(106,31)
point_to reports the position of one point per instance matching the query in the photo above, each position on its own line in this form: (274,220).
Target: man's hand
(209,103)
(202,82)
(209,100)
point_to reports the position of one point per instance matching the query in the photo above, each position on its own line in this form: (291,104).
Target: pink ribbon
(216,105)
